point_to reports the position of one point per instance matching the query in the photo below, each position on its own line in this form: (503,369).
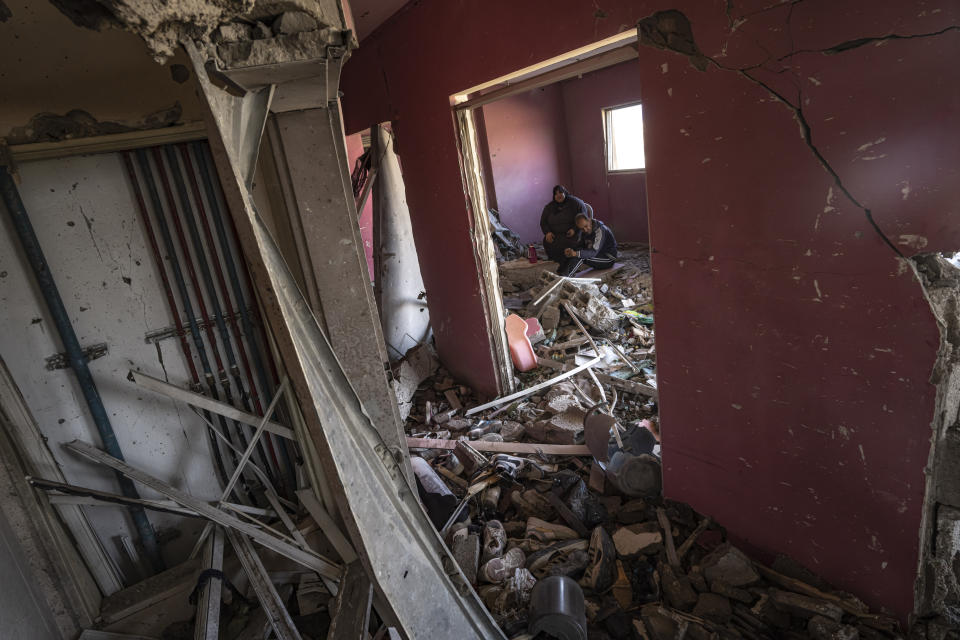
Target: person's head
(584,223)
(560,193)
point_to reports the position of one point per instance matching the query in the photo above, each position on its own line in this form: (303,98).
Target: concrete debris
(77,123)
(535,517)
(291,22)
(730,565)
(166,25)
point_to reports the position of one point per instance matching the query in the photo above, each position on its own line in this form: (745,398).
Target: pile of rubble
(550,498)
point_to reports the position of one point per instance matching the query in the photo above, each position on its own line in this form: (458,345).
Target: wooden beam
(211,405)
(277,614)
(351,609)
(308,559)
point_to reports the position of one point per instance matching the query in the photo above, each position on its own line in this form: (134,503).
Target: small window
(623,129)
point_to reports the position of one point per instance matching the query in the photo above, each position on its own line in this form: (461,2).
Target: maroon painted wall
(794,349)
(529,154)
(619,199)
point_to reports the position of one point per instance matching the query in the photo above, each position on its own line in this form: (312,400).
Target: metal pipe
(207,174)
(172,304)
(186,211)
(78,362)
(201,213)
(145,169)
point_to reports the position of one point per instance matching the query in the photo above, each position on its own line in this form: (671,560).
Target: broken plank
(502,447)
(203,402)
(207,626)
(146,593)
(327,525)
(277,614)
(351,608)
(526,392)
(672,556)
(307,558)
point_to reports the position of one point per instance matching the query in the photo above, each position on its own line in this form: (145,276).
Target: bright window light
(624,133)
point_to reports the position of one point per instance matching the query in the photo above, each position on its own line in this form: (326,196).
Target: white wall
(85,216)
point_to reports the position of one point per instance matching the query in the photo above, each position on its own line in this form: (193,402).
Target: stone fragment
(233,32)
(729,564)
(512,431)
(728,591)
(466,551)
(633,511)
(636,539)
(550,318)
(805,607)
(563,428)
(292,22)
(261,31)
(657,625)
(713,607)
(821,628)
(677,588)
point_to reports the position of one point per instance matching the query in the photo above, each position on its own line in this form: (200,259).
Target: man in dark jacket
(558,222)
(597,248)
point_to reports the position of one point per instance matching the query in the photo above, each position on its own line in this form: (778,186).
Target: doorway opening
(574,121)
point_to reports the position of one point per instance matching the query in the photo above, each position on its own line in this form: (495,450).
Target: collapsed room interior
(257,377)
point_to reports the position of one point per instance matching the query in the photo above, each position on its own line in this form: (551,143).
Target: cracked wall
(795,345)
(938,582)
(85,216)
(61,81)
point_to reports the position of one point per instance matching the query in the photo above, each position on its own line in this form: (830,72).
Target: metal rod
(252,394)
(219,467)
(208,176)
(187,212)
(78,362)
(146,171)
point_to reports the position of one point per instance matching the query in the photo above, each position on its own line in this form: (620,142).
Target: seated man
(598,247)
(558,222)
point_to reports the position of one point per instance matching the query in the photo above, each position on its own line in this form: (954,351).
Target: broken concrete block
(729,564)
(713,607)
(657,625)
(805,607)
(512,431)
(466,551)
(233,32)
(294,22)
(634,540)
(563,428)
(821,628)
(676,587)
(550,318)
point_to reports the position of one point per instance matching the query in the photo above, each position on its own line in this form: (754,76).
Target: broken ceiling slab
(165,25)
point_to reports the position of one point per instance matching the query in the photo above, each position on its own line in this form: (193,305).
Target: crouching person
(597,248)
